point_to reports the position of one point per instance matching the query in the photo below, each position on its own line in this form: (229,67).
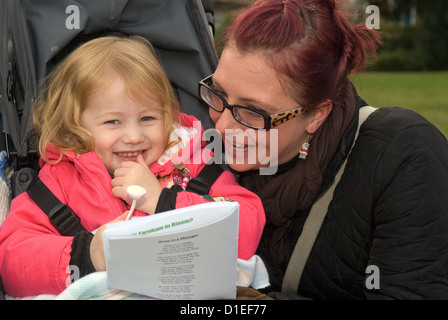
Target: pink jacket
(34,257)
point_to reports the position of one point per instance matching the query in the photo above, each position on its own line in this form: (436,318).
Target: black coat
(389,211)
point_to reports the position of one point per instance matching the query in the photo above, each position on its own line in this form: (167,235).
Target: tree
(432,33)
(408,46)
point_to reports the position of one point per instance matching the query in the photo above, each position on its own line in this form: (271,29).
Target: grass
(423,92)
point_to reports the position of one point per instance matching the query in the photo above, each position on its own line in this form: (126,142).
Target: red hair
(310,44)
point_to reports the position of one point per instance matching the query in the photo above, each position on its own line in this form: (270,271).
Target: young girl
(108,119)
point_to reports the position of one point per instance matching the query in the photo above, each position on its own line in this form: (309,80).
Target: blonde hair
(87,70)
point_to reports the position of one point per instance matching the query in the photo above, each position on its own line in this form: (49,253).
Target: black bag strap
(202,183)
(60,215)
(67,222)
(314,222)
(2,290)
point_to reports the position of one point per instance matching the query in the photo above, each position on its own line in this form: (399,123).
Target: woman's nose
(226,121)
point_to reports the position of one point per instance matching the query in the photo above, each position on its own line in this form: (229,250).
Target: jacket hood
(186,148)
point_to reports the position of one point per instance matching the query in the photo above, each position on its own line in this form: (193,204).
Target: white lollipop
(134,192)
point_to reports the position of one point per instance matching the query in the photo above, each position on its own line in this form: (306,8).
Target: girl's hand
(97,248)
(137,173)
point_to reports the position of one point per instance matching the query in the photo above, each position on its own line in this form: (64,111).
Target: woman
(285,68)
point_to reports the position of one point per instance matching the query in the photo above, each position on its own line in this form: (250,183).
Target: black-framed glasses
(248,116)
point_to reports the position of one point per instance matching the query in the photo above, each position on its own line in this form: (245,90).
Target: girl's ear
(319,115)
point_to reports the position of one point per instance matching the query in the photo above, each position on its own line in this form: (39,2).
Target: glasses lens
(211,99)
(249,118)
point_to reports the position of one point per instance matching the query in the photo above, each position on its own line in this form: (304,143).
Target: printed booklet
(188,253)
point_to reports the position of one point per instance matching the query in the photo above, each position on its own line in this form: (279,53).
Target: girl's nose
(133,134)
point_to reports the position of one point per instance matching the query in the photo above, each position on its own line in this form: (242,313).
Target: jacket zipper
(105,189)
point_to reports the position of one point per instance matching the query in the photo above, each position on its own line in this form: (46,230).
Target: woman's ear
(319,115)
